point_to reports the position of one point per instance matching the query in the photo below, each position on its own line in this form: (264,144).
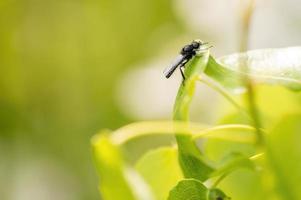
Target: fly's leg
(182,72)
(181,66)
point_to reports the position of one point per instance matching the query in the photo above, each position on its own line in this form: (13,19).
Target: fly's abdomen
(175,64)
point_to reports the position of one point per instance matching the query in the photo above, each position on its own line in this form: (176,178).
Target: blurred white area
(145,94)
(216,19)
(275,23)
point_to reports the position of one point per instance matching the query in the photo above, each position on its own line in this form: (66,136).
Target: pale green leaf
(161,170)
(284,154)
(117,180)
(270,66)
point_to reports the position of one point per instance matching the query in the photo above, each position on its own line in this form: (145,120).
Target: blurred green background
(69,68)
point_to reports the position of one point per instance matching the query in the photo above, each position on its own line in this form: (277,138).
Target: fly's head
(200,47)
(196,47)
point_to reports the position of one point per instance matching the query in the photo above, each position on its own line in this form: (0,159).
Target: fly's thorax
(187,49)
(196,47)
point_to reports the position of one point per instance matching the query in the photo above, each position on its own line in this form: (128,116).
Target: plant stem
(193,130)
(215,184)
(190,158)
(146,128)
(246,20)
(246,16)
(255,114)
(207,133)
(223,176)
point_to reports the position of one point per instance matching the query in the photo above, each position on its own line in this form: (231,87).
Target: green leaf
(117,180)
(188,189)
(161,170)
(284,155)
(269,66)
(228,78)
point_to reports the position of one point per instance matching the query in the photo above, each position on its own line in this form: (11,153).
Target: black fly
(186,54)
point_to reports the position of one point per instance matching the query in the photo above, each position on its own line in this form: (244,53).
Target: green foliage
(217,194)
(190,158)
(284,155)
(110,168)
(188,189)
(233,162)
(269,66)
(160,166)
(228,163)
(118,181)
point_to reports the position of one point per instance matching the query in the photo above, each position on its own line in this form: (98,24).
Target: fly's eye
(195,45)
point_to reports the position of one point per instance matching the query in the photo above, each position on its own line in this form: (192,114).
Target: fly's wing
(170,70)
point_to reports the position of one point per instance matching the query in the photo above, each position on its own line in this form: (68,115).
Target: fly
(186,54)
